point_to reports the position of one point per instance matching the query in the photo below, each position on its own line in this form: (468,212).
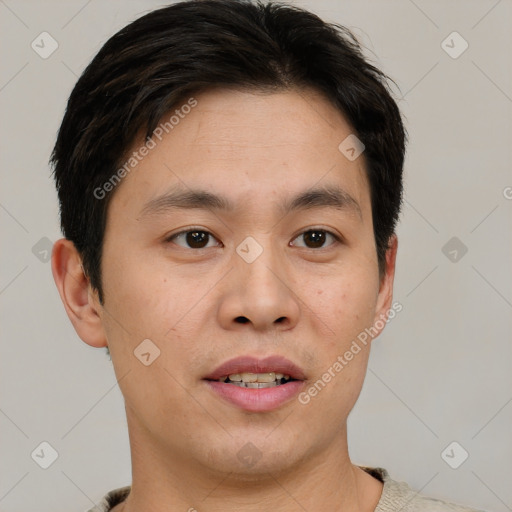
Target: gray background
(441,372)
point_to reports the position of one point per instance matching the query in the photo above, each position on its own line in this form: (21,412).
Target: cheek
(143,298)
(152,302)
(346,303)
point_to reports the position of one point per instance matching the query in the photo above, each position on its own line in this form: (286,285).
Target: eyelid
(188,229)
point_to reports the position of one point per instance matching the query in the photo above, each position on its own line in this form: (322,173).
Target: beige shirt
(396,497)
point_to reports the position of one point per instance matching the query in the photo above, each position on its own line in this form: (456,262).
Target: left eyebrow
(330,196)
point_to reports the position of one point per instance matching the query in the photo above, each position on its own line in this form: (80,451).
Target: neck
(166,481)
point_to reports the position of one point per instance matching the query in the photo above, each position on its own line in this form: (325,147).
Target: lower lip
(257,400)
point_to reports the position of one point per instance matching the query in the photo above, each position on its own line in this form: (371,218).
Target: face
(276,272)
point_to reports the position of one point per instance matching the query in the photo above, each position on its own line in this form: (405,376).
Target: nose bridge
(258,263)
(258,292)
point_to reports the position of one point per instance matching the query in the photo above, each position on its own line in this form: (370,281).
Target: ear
(80,301)
(385,295)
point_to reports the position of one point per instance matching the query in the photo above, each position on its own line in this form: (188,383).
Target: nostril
(241,319)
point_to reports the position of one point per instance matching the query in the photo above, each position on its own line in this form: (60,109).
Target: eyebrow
(330,196)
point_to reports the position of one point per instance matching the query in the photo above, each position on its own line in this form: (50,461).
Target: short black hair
(152,64)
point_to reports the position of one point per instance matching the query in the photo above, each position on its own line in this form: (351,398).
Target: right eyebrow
(185,199)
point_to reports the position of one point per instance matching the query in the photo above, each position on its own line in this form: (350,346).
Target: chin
(248,458)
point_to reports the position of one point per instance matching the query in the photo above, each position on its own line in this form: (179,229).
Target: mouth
(256,385)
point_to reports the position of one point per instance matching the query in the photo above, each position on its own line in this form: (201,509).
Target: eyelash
(192,229)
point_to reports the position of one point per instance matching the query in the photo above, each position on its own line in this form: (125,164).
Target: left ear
(385,296)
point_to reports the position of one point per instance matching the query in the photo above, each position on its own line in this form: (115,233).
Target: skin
(257,149)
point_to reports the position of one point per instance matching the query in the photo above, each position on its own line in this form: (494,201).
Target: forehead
(252,146)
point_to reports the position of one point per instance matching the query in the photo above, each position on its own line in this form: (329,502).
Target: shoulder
(399,496)
(111,499)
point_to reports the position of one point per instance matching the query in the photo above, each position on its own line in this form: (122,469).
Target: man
(230,178)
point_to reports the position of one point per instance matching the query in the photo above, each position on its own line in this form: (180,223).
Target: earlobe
(75,293)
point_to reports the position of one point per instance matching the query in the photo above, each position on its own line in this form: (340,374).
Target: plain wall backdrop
(441,371)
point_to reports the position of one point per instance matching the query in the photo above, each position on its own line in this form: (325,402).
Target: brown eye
(194,239)
(316,238)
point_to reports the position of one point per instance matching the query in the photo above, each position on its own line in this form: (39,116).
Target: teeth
(250,377)
(264,377)
(255,380)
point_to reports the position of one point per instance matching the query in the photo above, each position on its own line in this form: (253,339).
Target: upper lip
(249,364)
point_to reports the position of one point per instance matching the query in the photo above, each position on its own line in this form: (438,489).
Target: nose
(259,295)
